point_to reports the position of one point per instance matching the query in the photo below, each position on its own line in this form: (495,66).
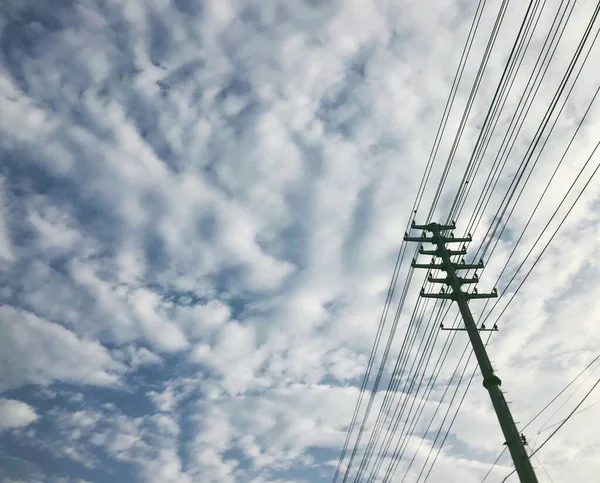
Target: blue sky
(200,207)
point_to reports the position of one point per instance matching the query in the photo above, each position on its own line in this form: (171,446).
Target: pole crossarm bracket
(429,227)
(454,296)
(429,239)
(480,329)
(441,295)
(445,265)
(476,295)
(438,253)
(447,281)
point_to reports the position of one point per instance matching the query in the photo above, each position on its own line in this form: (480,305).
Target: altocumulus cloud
(200,206)
(15,414)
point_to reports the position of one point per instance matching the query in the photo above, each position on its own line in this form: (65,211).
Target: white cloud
(166,467)
(37,351)
(137,356)
(52,226)
(15,414)
(162,333)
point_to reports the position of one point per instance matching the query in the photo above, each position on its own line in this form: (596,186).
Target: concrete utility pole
(491,382)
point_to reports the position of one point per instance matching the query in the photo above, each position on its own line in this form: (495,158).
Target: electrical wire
(439,134)
(436,197)
(555,232)
(544,469)
(539,133)
(546,246)
(525,103)
(552,177)
(509,62)
(459,404)
(493,111)
(439,432)
(563,404)
(380,327)
(379,375)
(578,412)
(407,392)
(403,439)
(455,413)
(560,425)
(463,372)
(393,384)
(550,240)
(469,104)
(483,64)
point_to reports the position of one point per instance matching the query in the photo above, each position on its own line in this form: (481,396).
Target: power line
(552,177)
(468,108)
(403,440)
(455,413)
(396,417)
(526,101)
(578,412)
(549,241)
(379,375)
(547,116)
(544,469)
(469,105)
(493,112)
(563,404)
(544,409)
(393,384)
(411,344)
(562,423)
(490,334)
(453,418)
(380,327)
(416,204)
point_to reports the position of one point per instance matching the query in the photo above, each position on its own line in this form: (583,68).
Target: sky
(201,203)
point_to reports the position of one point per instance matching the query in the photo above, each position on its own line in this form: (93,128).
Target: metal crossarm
(453,296)
(436,253)
(447,281)
(426,239)
(481,329)
(443,265)
(414,226)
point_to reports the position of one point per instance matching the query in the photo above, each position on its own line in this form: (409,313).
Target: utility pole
(514,440)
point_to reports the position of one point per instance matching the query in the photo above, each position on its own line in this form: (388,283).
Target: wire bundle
(419,379)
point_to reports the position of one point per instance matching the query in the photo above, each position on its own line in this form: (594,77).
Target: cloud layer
(200,208)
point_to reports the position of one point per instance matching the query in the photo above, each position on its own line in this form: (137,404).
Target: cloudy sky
(201,203)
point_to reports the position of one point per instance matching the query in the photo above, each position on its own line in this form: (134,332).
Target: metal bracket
(480,329)
(414,225)
(430,239)
(437,252)
(452,296)
(476,295)
(461,280)
(455,266)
